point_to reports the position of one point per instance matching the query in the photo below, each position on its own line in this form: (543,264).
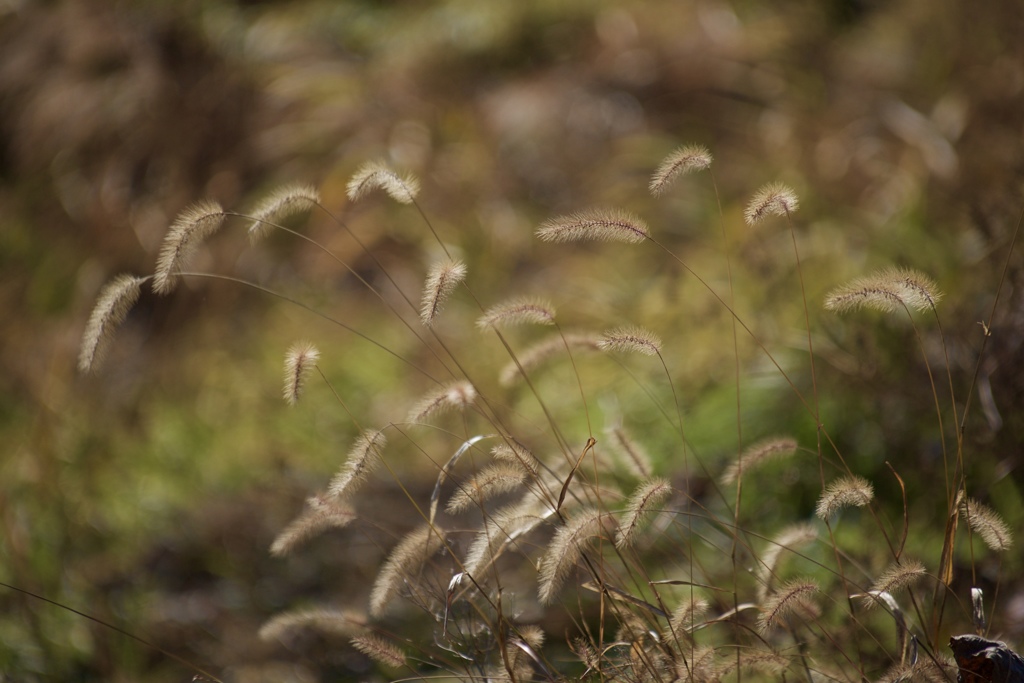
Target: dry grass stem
(455,396)
(757,455)
(985,522)
(112,306)
(377,175)
(848,491)
(298,363)
(404,565)
(792,599)
(379,650)
(492,481)
(518,312)
(442,280)
(598,224)
(364,456)
(280,204)
(631,340)
(774,199)
(566,549)
(190,229)
(684,160)
(888,291)
(321,513)
(644,501)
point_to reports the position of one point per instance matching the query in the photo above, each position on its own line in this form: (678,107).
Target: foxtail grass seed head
(566,548)
(332,622)
(455,396)
(602,225)
(321,513)
(848,491)
(376,175)
(298,363)
(442,280)
(686,615)
(985,522)
(112,306)
(793,599)
(404,565)
(364,456)
(517,311)
(515,453)
(896,577)
(688,159)
(757,455)
(492,481)
(629,451)
(190,229)
(280,204)
(644,502)
(774,199)
(631,340)
(549,347)
(379,650)
(888,291)
(789,539)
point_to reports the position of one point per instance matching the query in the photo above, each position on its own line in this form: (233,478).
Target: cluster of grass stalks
(553,547)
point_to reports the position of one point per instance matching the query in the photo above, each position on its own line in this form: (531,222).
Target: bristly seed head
(280,204)
(631,339)
(377,175)
(192,226)
(774,199)
(848,491)
(444,277)
(518,311)
(112,306)
(596,224)
(688,159)
(298,362)
(888,291)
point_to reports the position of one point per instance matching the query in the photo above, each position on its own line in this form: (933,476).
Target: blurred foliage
(147,495)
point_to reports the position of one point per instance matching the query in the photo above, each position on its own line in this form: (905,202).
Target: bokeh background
(147,494)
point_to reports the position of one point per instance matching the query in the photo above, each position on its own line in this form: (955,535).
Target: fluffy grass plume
(503,528)
(793,598)
(629,451)
(327,621)
(686,615)
(442,280)
(896,577)
(379,650)
(362,459)
(985,522)
(848,491)
(603,225)
(757,455)
(112,306)
(377,175)
(515,453)
(298,363)
(404,565)
(644,501)
(517,311)
(499,478)
(788,539)
(455,396)
(280,204)
(687,159)
(888,291)
(321,513)
(533,356)
(631,339)
(190,229)
(566,548)
(774,199)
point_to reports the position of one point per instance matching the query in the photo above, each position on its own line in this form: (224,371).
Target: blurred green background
(147,494)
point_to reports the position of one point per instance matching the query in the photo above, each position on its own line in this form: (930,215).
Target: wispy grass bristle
(283,202)
(896,577)
(377,175)
(491,481)
(190,229)
(379,650)
(687,159)
(533,356)
(455,396)
(644,502)
(442,280)
(603,225)
(517,311)
(503,528)
(320,514)
(686,616)
(114,302)
(333,622)
(757,661)
(298,363)
(847,491)
(565,550)
(792,599)
(516,454)
(363,457)
(631,340)
(985,522)
(787,540)
(888,291)
(774,199)
(759,454)
(635,457)
(404,564)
